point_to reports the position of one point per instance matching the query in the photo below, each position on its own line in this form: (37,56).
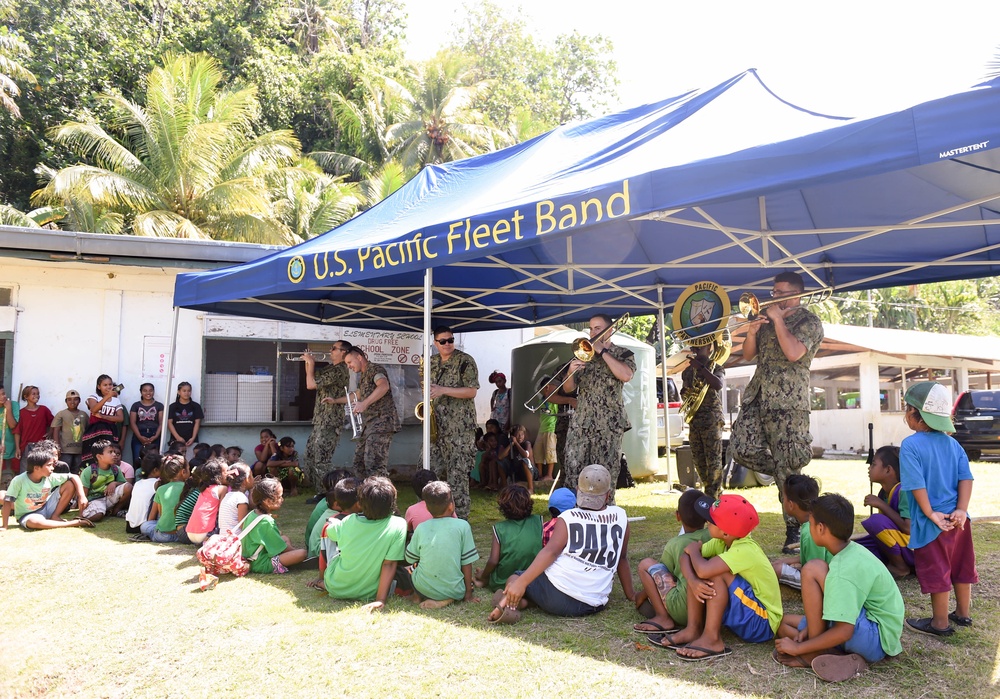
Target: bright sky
(849,58)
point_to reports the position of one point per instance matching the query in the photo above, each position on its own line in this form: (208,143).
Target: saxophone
(420,412)
(696,392)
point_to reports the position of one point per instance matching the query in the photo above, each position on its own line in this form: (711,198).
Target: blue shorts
(149,529)
(547,597)
(866,641)
(46,511)
(745,616)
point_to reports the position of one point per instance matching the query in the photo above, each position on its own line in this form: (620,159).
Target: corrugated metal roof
(901,342)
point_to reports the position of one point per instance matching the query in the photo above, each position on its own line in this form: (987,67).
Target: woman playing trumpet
(596,428)
(373,399)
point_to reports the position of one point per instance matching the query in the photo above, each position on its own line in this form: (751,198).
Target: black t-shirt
(183,416)
(147,417)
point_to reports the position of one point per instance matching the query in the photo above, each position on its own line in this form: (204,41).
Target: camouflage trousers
(706,452)
(774,442)
(452,459)
(371,454)
(318,459)
(562,429)
(586,447)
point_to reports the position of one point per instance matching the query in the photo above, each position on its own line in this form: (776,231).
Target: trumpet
(297,356)
(583,349)
(420,413)
(355,418)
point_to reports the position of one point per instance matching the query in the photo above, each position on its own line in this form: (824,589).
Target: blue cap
(562,499)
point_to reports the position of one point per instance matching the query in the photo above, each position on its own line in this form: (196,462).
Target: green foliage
(12,48)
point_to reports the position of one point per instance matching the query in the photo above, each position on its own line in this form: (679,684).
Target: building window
(836,388)
(258,382)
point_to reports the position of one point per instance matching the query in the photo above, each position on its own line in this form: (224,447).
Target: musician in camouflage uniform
(330,383)
(771,433)
(705,427)
(454,384)
(597,426)
(373,400)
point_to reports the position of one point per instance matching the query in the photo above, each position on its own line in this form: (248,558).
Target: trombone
(355,418)
(583,349)
(751,308)
(297,356)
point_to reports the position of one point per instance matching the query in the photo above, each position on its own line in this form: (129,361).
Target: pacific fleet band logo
(701,311)
(296,269)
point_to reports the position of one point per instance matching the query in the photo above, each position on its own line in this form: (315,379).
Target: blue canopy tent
(623,212)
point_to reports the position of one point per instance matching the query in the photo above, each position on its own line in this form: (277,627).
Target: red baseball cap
(730,513)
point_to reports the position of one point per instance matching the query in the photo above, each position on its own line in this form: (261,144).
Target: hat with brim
(592,487)
(934,403)
(562,499)
(733,514)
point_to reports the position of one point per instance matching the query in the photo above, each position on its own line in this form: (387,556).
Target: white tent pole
(426,427)
(666,393)
(164,432)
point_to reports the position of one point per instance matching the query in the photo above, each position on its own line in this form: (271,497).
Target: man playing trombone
(771,432)
(596,428)
(381,420)
(329,383)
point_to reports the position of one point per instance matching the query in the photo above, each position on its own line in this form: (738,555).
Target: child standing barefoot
(936,479)
(265,547)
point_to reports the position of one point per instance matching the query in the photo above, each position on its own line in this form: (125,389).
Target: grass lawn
(89,614)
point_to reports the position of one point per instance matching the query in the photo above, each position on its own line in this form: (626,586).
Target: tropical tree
(310,202)
(187,164)
(443,126)
(11,70)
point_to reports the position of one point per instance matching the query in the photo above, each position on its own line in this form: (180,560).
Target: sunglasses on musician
(446,341)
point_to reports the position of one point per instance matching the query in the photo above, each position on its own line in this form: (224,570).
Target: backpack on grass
(223,553)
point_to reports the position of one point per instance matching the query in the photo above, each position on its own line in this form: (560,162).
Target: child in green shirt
(853,609)
(264,546)
(516,540)
(160,526)
(107,489)
(800,491)
(38,497)
(664,587)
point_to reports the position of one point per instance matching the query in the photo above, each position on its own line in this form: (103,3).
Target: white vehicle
(677,426)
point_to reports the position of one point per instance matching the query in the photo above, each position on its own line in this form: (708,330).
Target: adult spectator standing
(145,421)
(330,383)
(10,437)
(454,384)
(597,426)
(500,401)
(771,433)
(380,417)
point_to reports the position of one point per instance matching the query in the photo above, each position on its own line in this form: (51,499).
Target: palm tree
(186,164)
(311,202)
(443,126)
(11,47)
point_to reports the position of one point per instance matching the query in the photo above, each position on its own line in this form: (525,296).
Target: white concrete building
(77,305)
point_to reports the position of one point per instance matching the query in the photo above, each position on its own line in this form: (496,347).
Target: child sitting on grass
(560,500)
(730,583)
(340,502)
(198,480)
(664,586)
(236,503)
(574,573)
(284,466)
(264,546)
(888,529)
(800,491)
(937,481)
(38,497)
(324,508)
(204,518)
(521,462)
(443,552)
(853,609)
(416,514)
(371,545)
(142,492)
(160,526)
(107,491)
(516,540)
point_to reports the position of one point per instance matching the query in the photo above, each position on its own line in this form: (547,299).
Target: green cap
(934,403)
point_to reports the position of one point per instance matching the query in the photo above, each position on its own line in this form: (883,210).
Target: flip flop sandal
(793,661)
(960,620)
(663,640)
(708,654)
(656,628)
(509,615)
(924,626)
(837,668)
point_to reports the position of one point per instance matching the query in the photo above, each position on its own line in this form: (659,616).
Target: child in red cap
(730,582)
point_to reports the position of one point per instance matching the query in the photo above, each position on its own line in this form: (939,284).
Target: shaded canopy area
(623,212)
